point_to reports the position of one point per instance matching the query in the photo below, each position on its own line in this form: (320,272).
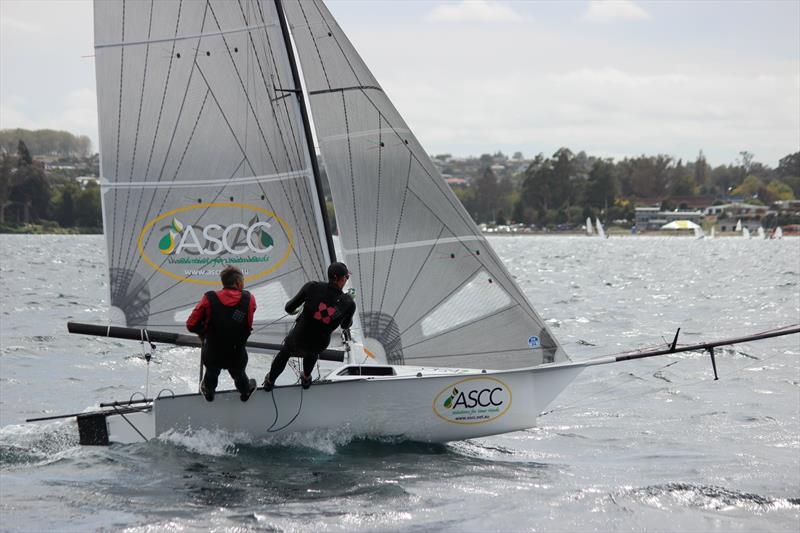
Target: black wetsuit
(224,343)
(326,308)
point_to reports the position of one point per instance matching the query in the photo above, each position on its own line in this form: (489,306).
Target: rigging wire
(660,389)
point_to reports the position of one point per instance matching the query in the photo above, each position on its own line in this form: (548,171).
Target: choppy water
(649,445)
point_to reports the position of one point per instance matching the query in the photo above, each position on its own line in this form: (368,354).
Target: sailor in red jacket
(223,320)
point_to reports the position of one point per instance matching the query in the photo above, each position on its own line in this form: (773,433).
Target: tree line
(561,190)
(566,188)
(31,195)
(45,142)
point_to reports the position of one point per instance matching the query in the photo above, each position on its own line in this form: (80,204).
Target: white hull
(404,406)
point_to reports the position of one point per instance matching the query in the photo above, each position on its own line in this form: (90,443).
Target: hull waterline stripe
(185,37)
(105,184)
(411,244)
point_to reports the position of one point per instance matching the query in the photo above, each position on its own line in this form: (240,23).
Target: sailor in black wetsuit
(326,307)
(223,320)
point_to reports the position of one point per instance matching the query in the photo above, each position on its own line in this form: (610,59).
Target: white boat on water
(207,158)
(589,228)
(778,233)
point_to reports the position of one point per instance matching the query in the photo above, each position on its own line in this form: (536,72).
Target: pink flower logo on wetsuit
(324,313)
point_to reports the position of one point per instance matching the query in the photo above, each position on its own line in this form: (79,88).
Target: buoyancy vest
(228,327)
(325,309)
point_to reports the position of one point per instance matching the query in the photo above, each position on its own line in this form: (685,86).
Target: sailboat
(699,233)
(600,231)
(761,233)
(713,233)
(207,158)
(738,225)
(745,232)
(778,233)
(589,228)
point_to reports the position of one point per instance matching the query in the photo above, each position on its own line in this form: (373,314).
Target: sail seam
(482,240)
(461,326)
(304,205)
(123,44)
(246,159)
(174,131)
(363,133)
(316,46)
(136,137)
(437,304)
(377,213)
(352,189)
(396,234)
(260,129)
(411,244)
(419,271)
(119,126)
(206,183)
(158,126)
(438,183)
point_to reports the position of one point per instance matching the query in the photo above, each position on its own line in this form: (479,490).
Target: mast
(306,129)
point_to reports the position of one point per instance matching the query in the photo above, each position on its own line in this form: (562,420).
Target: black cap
(337,270)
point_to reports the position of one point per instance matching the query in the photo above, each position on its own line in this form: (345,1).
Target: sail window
(478,298)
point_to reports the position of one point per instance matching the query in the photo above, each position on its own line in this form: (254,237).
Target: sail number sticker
(256,240)
(473,401)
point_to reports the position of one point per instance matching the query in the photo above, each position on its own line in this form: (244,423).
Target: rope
(299,408)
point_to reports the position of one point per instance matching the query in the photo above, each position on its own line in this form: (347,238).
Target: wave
(26,444)
(709,497)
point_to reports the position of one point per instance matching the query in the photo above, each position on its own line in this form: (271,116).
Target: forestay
(204,161)
(430,289)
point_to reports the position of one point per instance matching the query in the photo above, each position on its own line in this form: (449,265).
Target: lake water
(646,445)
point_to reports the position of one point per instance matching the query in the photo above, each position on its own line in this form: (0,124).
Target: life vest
(228,328)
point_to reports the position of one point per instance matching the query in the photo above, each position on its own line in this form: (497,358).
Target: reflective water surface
(647,445)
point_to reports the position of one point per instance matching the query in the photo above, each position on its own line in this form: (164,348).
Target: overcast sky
(616,78)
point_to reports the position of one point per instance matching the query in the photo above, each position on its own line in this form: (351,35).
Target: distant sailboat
(745,233)
(713,232)
(589,228)
(600,231)
(760,233)
(778,233)
(699,233)
(738,225)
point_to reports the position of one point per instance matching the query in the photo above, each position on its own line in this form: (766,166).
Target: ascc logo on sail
(473,401)
(192,252)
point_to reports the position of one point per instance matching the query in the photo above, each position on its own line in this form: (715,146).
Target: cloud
(77,114)
(473,11)
(614,11)
(20,25)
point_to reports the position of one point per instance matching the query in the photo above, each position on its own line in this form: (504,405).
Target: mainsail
(204,161)
(430,289)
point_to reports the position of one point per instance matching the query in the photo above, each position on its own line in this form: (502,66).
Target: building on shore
(653,218)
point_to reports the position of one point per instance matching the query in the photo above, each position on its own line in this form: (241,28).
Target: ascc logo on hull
(473,401)
(256,240)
